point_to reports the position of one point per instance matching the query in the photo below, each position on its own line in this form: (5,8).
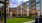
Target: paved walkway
(30,21)
(1,22)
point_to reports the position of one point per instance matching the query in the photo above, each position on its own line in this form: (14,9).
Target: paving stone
(30,21)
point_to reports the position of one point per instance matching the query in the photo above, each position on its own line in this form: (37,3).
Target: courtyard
(18,20)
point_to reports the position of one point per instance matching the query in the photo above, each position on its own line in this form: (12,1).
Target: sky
(15,3)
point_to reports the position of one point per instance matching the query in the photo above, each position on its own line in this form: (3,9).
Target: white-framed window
(1,0)
(1,5)
(37,0)
(38,6)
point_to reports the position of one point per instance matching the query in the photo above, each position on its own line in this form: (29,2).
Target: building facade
(24,9)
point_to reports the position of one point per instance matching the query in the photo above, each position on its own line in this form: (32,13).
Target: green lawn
(18,20)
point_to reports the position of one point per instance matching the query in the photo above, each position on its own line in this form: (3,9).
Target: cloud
(25,0)
(14,3)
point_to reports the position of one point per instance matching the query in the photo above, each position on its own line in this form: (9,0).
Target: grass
(17,20)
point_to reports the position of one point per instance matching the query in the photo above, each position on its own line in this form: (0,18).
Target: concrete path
(1,22)
(30,21)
